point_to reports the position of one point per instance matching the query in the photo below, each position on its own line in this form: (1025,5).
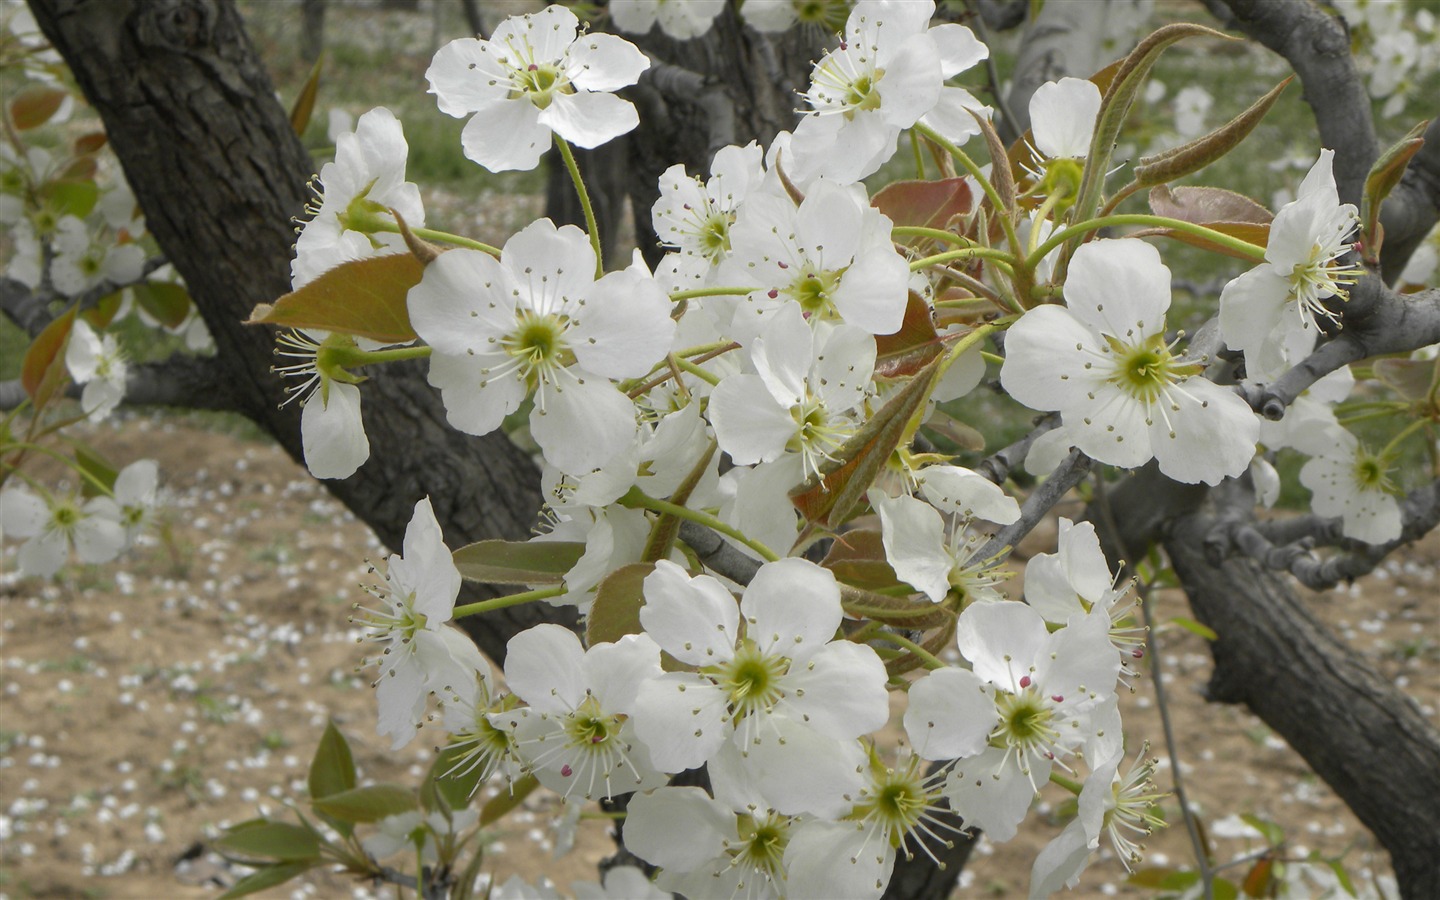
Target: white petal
(543,667)
(957,490)
(914,537)
(1002,641)
(506,136)
(950,714)
(1119,288)
(677,828)
(840,691)
(1062,117)
(589,120)
(604,62)
(749,424)
(793,608)
(683,718)
(332,432)
(624,327)
(696,620)
(583,425)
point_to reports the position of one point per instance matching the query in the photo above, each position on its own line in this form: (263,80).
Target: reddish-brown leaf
(365,297)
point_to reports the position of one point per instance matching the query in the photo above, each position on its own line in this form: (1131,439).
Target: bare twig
(1069,473)
(717,554)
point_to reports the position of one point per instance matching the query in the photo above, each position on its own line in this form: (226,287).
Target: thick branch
(1377,321)
(1363,737)
(1317,46)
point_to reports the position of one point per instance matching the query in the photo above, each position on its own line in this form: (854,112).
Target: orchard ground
(147,703)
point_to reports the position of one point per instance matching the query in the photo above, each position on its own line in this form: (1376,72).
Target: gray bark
(211,156)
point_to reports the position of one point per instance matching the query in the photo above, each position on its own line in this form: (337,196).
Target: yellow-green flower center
(751,679)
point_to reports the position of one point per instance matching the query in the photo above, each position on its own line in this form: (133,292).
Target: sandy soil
(144,706)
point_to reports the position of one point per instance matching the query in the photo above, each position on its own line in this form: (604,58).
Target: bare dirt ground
(145,705)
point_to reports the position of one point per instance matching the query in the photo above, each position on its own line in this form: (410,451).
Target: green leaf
(830,499)
(1342,876)
(305,103)
(70,196)
(616,611)
(43,372)
(1384,175)
(1260,880)
(103,312)
(332,771)
(457,789)
(928,204)
(364,297)
(33,105)
(1274,835)
(518,562)
(1128,82)
(367,804)
(1225,889)
(262,839)
(1206,149)
(266,878)
(505,801)
(1195,627)
(165,301)
(89,460)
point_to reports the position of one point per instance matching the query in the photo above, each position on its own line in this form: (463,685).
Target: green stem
(354,357)
(1005,260)
(484,606)
(95,482)
(701,373)
(1245,248)
(930,660)
(638,499)
(964,159)
(711,292)
(937,234)
(590,225)
(430,234)
(1404,433)
(1068,784)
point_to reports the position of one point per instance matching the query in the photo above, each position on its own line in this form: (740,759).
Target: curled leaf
(1204,150)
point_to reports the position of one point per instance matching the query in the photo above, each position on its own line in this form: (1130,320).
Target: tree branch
(30,309)
(1377,321)
(1069,473)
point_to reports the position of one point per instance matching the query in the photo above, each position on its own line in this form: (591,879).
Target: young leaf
(90,461)
(364,297)
(305,102)
(43,372)
(1274,835)
(367,804)
(1219,210)
(103,312)
(332,770)
(73,196)
(911,348)
(1260,880)
(928,204)
(266,878)
(33,105)
(166,302)
(266,840)
(1383,177)
(1204,150)
(618,599)
(858,558)
(1195,628)
(518,562)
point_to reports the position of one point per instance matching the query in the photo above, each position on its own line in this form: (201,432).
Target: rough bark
(1367,740)
(213,161)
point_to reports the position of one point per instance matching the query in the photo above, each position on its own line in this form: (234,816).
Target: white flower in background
(695,218)
(1122,393)
(779,15)
(135,499)
(1423,262)
(887,74)
(621,882)
(533,77)
(1270,313)
(97,362)
(1348,480)
(771,683)
(679,19)
(331,429)
(363,183)
(1191,106)
(832,255)
(1062,124)
(517,888)
(1309,424)
(1033,700)
(83,260)
(52,526)
(804,398)
(422,654)
(577,734)
(536,320)
(411,831)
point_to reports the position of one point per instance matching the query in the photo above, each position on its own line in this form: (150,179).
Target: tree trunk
(1366,739)
(211,156)
(312,33)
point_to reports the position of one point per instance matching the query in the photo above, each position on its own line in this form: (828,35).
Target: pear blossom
(1352,482)
(1076,581)
(361,185)
(536,320)
(422,654)
(536,75)
(1032,700)
(679,19)
(695,218)
(51,526)
(135,497)
(1271,313)
(413,830)
(97,362)
(1124,396)
(84,260)
(332,432)
(779,15)
(832,255)
(1062,123)
(801,400)
(887,74)
(705,848)
(621,882)
(771,685)
(934,557)
(577,734)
